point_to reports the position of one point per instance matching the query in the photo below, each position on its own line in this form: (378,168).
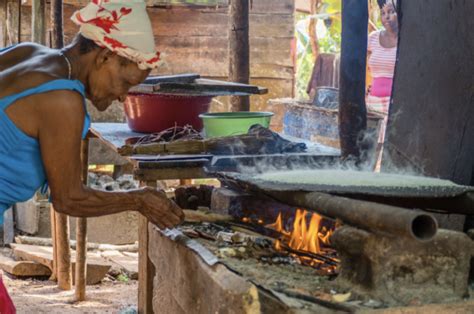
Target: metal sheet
(179,237)
(251,182)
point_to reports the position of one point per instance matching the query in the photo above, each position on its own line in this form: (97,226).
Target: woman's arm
(61,118)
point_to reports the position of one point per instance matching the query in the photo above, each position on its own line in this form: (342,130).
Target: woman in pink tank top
(382,53)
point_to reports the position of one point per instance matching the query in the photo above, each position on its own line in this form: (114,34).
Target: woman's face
(389,17)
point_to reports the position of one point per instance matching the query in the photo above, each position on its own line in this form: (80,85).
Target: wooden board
(97,267)
(23,268)
(431,121)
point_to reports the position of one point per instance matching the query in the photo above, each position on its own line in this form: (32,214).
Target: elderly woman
(43,115)
(382,52)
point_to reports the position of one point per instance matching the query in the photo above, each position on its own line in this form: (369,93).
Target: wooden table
(149,169)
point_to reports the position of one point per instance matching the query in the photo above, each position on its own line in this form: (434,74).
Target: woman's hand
(159,210)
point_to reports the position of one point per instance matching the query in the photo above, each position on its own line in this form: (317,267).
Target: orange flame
(304,237)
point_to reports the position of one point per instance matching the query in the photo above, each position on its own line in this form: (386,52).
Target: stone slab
(27,216)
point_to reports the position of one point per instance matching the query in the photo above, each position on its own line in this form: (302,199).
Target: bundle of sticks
(258,140)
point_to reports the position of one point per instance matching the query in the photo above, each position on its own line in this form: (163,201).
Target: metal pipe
(365,215)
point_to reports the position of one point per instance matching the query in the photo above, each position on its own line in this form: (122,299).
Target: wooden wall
(195,40)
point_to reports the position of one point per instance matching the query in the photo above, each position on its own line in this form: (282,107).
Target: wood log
(352,110)
(133,248)
(97,267)
(23,268)
(199,216)
(239,50)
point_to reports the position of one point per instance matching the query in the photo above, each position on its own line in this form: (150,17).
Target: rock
(401,271)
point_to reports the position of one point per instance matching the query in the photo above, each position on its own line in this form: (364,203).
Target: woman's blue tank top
(21,167)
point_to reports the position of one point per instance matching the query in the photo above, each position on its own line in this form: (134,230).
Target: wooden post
(64,268)
(81,233)
(146,269)
(37,21)
(3,22)
(19,22)
(57,37)
(239,51)
(13,20)
(313,36)
(352,110)
(54,271)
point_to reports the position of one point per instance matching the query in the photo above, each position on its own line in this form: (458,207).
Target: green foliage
(123,278)
(329,13)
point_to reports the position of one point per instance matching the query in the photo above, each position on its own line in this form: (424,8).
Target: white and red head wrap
(122,26)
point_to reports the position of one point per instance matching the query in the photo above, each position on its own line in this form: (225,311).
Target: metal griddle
(452,198)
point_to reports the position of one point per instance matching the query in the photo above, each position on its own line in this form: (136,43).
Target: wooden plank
(171,173)
(97,267)
(212,23)
(258,6)
(424,131)
(146,269)
(23,268)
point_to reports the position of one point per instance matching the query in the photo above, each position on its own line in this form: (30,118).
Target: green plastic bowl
(233,123)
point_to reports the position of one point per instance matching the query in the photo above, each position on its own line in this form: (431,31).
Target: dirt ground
(36,296)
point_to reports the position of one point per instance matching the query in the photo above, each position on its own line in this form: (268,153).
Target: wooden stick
(198,216)
(81,233)
(54,271)
(64,267)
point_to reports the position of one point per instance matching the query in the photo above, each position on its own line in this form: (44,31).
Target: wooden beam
(352,110)
(239,50)
(38,21)
(146,269)
(81,233)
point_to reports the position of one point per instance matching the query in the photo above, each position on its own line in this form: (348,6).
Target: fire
(304,236)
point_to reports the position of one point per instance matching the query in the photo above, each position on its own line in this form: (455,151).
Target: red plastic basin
(149,113)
